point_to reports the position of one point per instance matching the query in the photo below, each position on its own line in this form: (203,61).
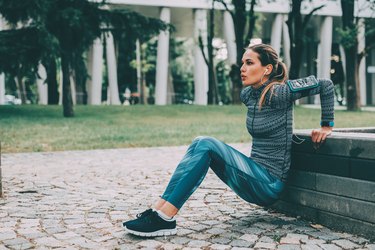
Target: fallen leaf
(316,226)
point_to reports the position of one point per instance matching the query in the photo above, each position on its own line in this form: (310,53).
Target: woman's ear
(269,69)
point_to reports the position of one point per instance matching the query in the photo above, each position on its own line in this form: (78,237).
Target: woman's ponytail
(279,75)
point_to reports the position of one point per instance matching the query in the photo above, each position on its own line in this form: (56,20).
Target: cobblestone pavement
(78,199)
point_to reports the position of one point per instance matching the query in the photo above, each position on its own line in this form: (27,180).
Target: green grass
(34,128)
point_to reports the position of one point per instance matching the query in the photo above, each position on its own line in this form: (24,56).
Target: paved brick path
(77,200)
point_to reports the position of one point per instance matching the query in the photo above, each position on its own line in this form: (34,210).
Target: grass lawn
(33,128)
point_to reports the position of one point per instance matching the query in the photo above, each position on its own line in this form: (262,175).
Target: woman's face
(252,71)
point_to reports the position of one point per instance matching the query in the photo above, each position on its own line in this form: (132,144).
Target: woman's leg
(250,181)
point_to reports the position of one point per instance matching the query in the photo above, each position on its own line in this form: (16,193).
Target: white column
(276,32)
(362,65)
(139,66)
(2,77)
(230,38)
(112,70)
(200,66)
(324,50)
(162,61)
(73,89)
(95,69)
(42,85)
(60,87)
(286,42)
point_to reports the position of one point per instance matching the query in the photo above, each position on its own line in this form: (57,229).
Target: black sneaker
(150,224)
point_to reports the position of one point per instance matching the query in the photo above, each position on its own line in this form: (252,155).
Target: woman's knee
(207,142)
(197,139)
(203,138)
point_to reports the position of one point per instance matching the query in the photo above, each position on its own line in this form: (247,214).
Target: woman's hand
(318,136)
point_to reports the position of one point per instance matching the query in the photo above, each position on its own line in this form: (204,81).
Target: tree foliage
(69,27)
(20,52)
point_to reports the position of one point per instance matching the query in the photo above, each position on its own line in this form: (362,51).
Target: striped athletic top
(272,127)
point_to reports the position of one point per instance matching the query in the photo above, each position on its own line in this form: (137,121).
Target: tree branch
(364,52)
(252,19)
(201,46)
(308,16)
(225,7)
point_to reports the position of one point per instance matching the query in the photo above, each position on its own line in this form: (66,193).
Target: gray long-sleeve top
(272,127)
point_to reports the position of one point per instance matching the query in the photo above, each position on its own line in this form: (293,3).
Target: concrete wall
(335,184)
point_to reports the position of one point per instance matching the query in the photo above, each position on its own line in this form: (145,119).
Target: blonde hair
(267,55)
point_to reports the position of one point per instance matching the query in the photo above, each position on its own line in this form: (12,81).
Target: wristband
(327,124)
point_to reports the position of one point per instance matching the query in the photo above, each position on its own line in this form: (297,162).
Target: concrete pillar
(95,70)
(60,87)
(362,65)
(286,42)
(139,66)
(325,50)
(2,76)
(73,89)
(230,38)
(162,61)
(276,33)
(42,85)
(112,70)
(200,66)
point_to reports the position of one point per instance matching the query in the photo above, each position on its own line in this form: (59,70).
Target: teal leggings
(249,180)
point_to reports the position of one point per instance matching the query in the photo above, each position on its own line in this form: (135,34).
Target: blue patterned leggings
(249,180)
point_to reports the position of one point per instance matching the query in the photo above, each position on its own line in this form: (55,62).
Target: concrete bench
(335,184)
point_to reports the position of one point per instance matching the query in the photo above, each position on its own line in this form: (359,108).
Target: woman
(259,178)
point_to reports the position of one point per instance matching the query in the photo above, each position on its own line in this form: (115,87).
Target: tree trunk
(67,92)
(212,89)
(352,79)
(251,20)
(239,20)
(296,38)
(51,68)
(21,88)
(352,59)
(296,58)
(142,89)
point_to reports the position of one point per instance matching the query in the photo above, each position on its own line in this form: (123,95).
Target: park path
(78,199)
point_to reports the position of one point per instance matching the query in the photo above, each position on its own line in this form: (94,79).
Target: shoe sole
(163,232)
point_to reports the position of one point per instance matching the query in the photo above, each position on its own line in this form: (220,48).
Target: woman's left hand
(318,136)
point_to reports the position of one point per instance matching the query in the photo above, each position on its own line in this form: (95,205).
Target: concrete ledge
(334,185)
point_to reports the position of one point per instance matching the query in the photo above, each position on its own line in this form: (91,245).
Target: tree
(212,95)
(127,27)
(297,32)
(72,25)
(353,57)
(21,51)
(244,25)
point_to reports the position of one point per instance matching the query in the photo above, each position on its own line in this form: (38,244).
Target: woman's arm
(327,99)
(296,89)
